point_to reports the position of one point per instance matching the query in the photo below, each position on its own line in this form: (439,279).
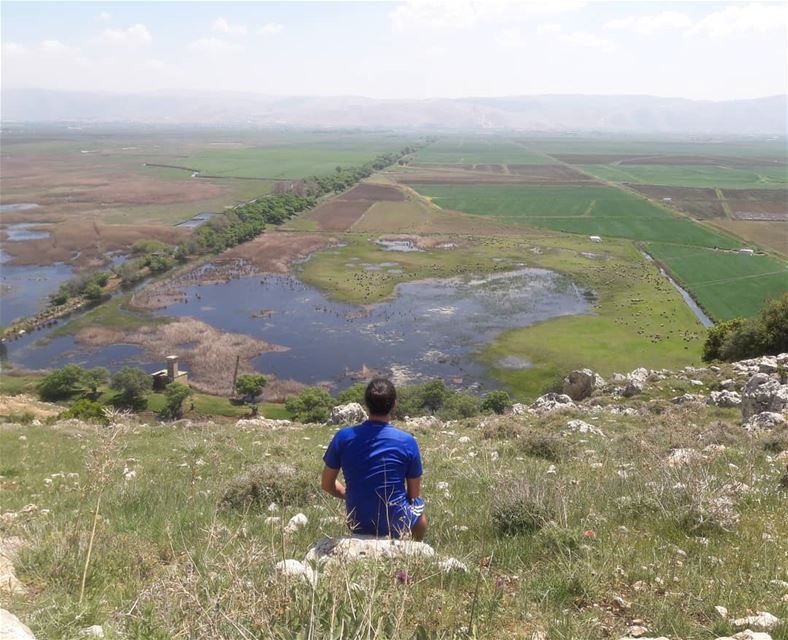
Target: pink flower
(590,534)
(403,577)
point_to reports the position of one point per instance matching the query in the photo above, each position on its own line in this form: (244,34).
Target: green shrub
(458,406)
(547,446)
(354,393)
(520,507)
(87,410)
(311,405)
(262,484)
(175,393)
(250,385)
(62,383)
(496,402)
(131,384)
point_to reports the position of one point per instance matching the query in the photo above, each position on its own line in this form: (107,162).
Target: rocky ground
(649,505)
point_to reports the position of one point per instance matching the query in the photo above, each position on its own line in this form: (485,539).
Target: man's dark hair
(380,396)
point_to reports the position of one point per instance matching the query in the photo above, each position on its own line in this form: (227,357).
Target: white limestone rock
(354,548)
(763,393)
(681,457)
(725,399)
(348,414)
(579,426)
(262,423)
(552,402)
(296,568)
(762,621)
(12,628)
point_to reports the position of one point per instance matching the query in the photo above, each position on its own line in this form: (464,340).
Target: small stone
(762,620)
(450,565)
(722,611)
(637,631)
(295,568)
(94,631)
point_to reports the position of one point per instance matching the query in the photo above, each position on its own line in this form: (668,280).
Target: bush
(174,394)
(311,405)
(354,393)
(87,410)
(547,446)
(260,485)
(62,384)
(250,385)
(521,507)
(496,402)
(131,384)
(742,338)
(458,406)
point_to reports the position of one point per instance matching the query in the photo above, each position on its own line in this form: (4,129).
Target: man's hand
(330,484)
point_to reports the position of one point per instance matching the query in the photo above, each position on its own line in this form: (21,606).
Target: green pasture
(725,284)
(589,210)
(478,150)
(755,177)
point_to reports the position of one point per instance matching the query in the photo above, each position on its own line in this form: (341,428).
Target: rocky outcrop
(262,423)
(725,399)
(348,414)
(580,384)
(550,402)
(764,421)
(636,382)
(9,583)
(12,628)
(350,548)
(763,393)
(578,426)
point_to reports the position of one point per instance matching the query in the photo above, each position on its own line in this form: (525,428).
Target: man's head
(380,397)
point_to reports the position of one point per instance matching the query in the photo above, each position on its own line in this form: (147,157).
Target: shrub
(354,393)
(131,384)
(86,409)
(260,485)
(748,338)
(311,405)
(62,383)
(174,394)
(250,385)
(459,405)
(548,446)
(522,507)
(496,402)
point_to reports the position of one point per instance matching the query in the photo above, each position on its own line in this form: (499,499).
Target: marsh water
(429,328)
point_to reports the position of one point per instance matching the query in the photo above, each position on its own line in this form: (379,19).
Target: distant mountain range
(545,113)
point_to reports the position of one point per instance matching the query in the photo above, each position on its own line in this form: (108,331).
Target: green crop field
(726,284)
(755,177)
(285,161)
(592,210)
(465,151)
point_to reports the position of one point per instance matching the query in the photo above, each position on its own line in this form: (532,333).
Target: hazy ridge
(610,114)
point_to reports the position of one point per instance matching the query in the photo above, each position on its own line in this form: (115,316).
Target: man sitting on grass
(382,469)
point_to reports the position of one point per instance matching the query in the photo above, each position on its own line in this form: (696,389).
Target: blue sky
(407,49)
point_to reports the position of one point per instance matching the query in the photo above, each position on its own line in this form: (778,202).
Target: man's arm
(330,484)
(414,487)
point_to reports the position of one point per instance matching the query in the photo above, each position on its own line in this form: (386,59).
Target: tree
(93,291)
(131,384)
(62,383)
(497,402)
(94,378)
(250,385)
(354,393)
(174,394)
(313,404)
(433,395)
(716,336)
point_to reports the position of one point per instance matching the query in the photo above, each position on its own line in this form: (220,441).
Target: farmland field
(589,210)
(473,151)
(727,285)
(758,177)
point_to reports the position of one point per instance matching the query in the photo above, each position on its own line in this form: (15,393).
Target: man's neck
(374,418)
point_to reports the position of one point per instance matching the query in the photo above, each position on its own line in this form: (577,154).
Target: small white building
(747,252)
(595,238)
(667,199)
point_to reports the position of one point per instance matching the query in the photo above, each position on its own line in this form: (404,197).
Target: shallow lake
(430,328)
(24,290)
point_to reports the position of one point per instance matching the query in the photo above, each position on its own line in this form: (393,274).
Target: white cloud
(548,27)
(271,29)
(104,16)
(13,49)
(754,17)
(220,25)
(461,14)
(586,40)
(54,46)
(651,24)
(213,45)
(134,36)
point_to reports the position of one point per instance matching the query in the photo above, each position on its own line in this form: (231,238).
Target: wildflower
(403,577)
(590,534)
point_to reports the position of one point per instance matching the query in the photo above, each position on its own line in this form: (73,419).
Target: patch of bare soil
(86,244)
(208,354)
(339,214)
(22,404)
(379,192)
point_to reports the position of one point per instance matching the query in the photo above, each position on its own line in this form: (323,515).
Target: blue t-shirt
(376,458)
